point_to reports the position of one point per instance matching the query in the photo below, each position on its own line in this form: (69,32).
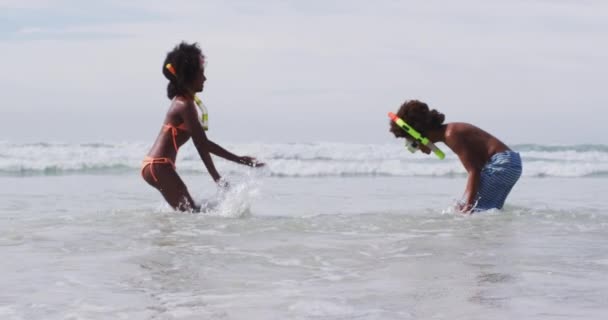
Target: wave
(559,148)
(293,160)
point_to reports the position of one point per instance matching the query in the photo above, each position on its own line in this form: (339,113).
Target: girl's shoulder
(181,104)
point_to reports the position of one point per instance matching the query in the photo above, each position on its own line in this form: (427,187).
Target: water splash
(235,201)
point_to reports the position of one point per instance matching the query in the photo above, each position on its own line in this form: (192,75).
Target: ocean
(325,231)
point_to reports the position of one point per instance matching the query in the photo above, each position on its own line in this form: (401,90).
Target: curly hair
(417,115)
(185,59)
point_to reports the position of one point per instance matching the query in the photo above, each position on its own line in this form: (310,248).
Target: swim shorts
(498,177)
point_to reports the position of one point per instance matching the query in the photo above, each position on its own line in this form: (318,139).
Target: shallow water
(106,247)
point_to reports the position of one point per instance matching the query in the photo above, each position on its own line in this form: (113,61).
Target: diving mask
(411,145)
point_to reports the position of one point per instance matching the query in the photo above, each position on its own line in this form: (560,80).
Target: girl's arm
(199,138)
(221,152)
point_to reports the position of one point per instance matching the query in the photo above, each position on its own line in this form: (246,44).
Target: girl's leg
(170,186)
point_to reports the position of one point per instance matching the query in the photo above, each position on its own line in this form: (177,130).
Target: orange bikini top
(173,129)
(204,117)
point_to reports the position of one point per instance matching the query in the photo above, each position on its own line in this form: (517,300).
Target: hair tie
(171,69)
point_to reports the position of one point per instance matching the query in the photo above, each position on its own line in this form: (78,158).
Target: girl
(184,68)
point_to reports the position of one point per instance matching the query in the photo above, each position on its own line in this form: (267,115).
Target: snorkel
(204,113)
(412,145)
(199,103)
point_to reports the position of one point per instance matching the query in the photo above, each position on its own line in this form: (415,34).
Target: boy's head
(417,114)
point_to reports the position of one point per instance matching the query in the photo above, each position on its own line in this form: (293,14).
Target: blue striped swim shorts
(498,177)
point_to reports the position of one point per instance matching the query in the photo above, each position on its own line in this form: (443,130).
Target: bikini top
(174,129)
(204,120)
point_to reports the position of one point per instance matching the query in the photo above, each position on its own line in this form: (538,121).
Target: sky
(532,71)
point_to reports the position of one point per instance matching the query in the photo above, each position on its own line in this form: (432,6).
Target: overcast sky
(532,71)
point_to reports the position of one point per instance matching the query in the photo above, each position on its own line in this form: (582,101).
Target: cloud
(492,63)
(67,19)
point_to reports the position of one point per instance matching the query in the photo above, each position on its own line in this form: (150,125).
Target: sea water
(326,231)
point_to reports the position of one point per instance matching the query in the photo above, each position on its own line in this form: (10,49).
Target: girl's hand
(223,184)
(251,161)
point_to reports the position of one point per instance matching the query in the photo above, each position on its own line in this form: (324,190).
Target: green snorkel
(204,112)
(417,137)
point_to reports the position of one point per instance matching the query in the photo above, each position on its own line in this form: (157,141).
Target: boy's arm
(471,190)
(473,165)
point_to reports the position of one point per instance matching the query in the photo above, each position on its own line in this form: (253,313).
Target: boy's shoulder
(463,131)
(456,128)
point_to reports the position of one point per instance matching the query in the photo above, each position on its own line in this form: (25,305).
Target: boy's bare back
(471,144)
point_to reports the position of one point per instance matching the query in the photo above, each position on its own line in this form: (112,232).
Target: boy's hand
(464,208)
